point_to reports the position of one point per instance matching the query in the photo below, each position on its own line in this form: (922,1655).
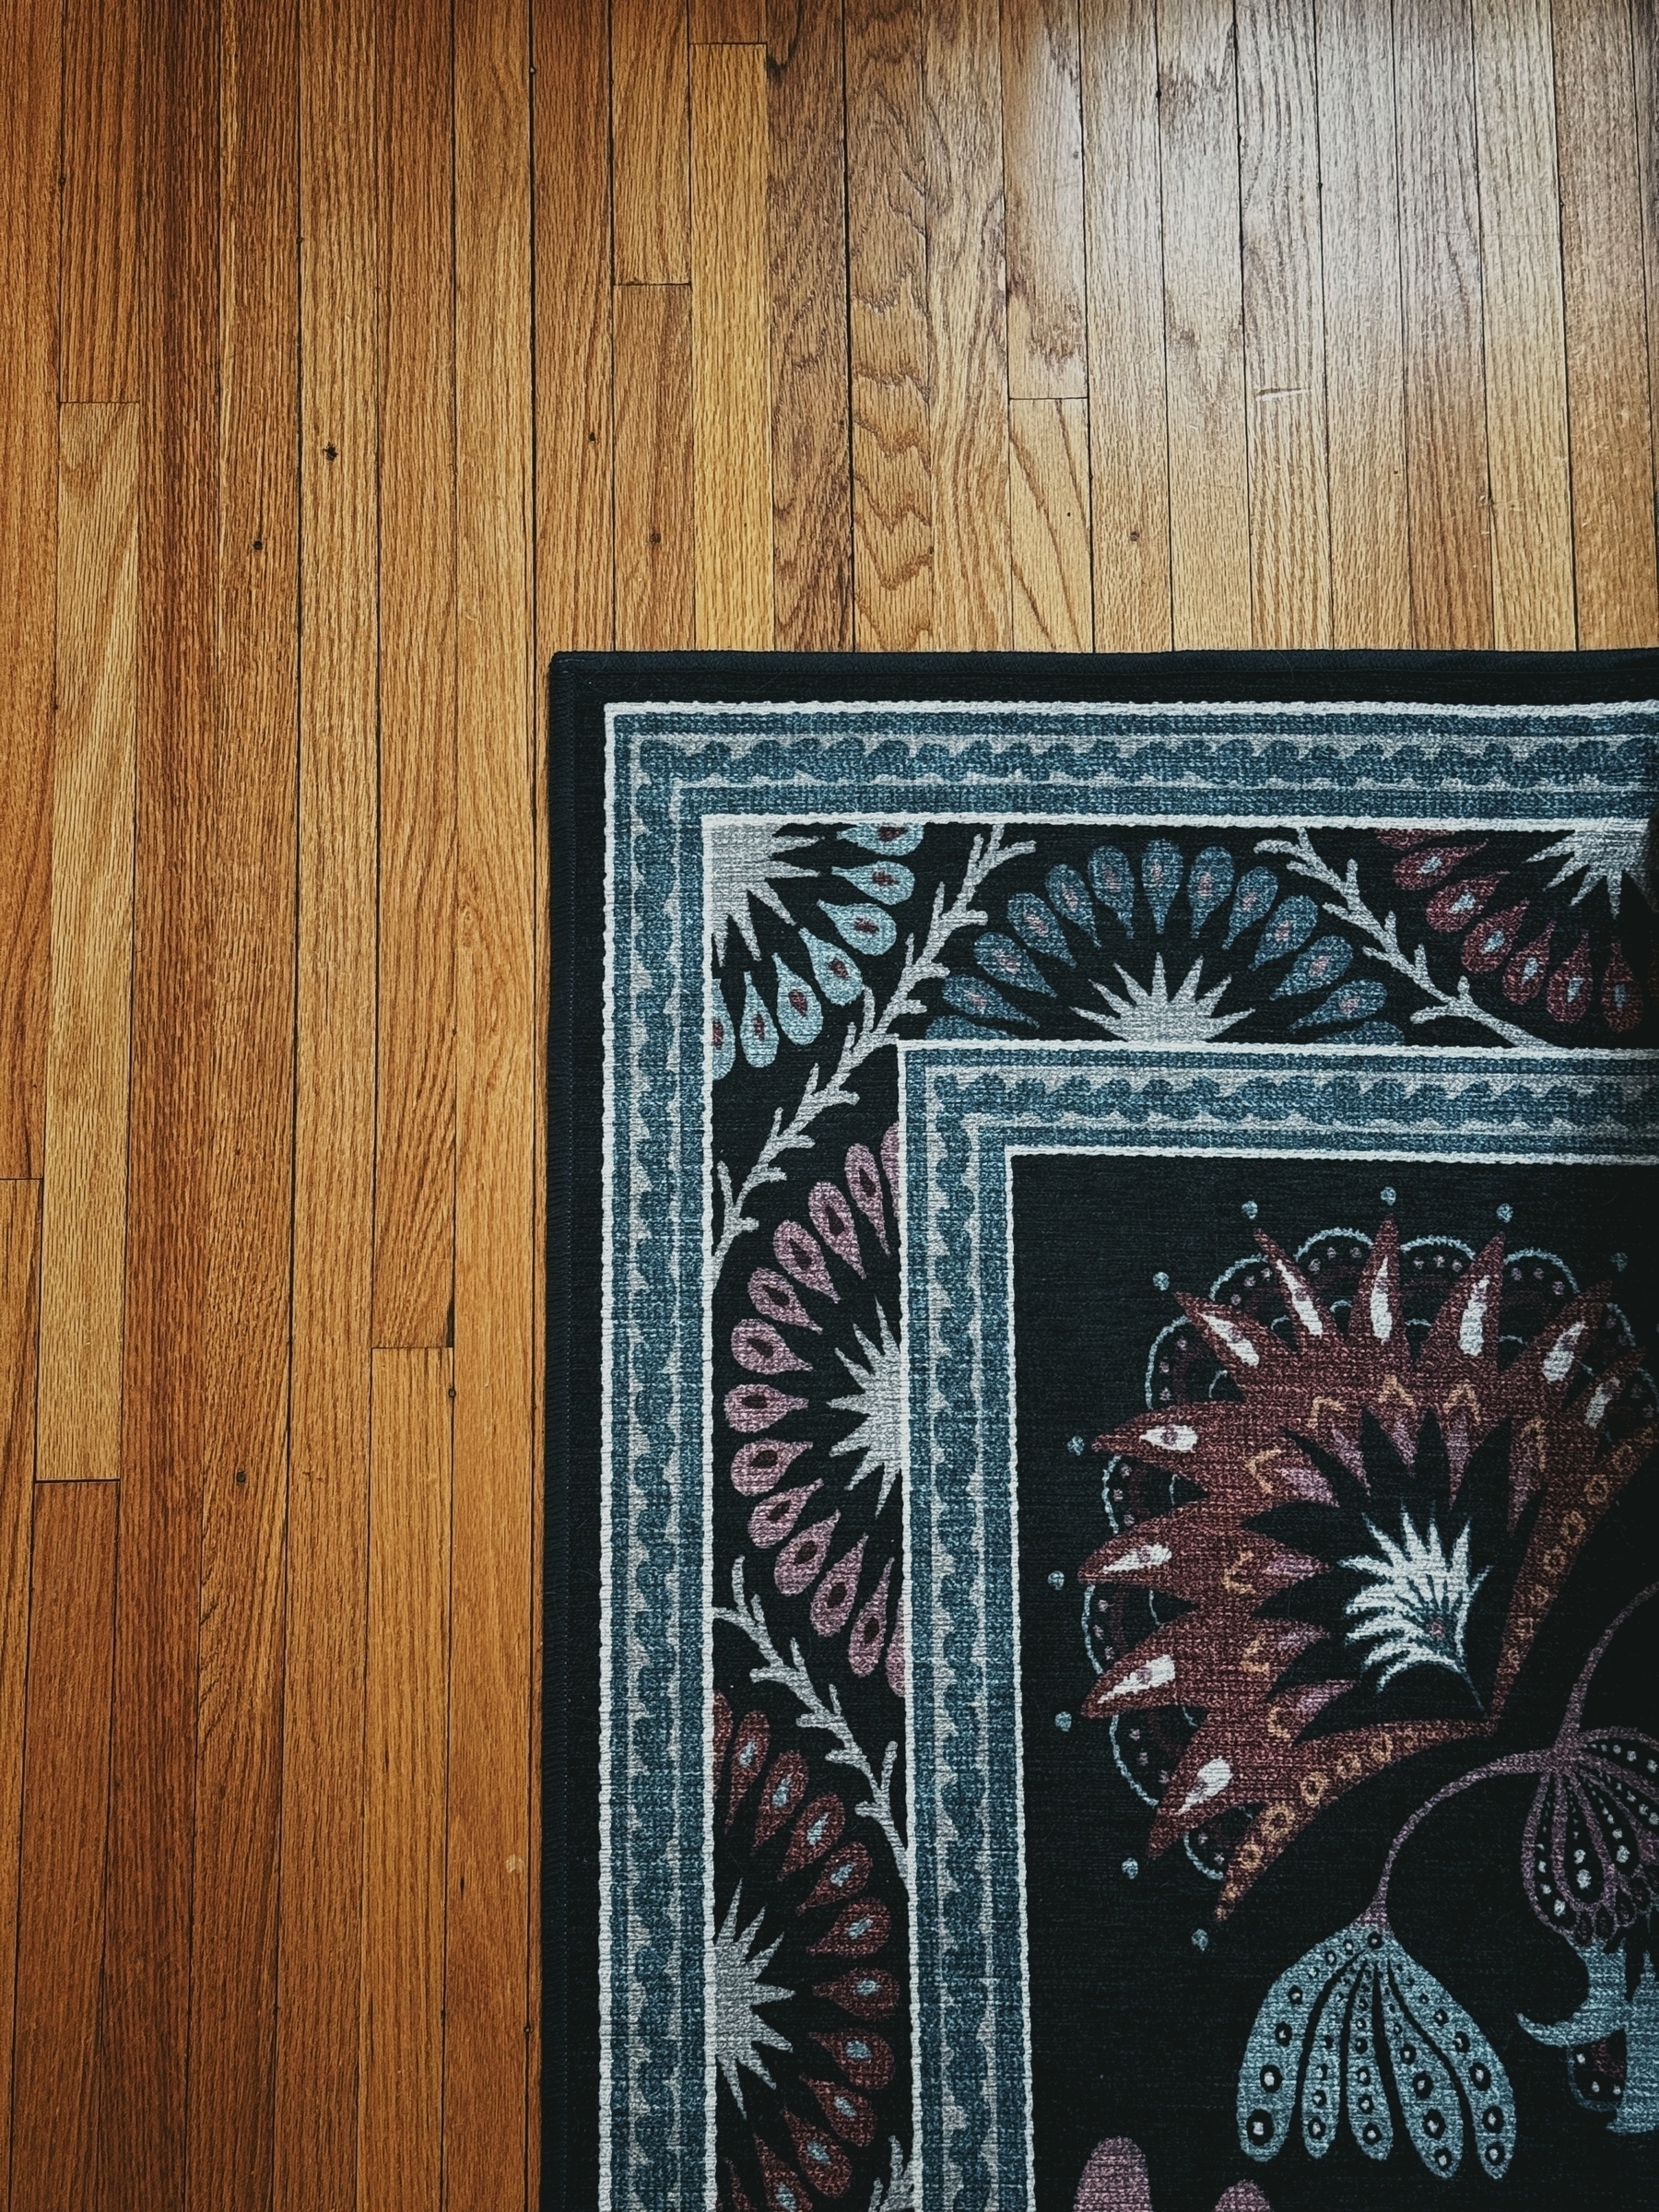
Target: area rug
(1100,1620)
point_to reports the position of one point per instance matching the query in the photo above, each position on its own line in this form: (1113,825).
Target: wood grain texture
(728,22)
(1644,46)
(405,1775)
(487,2116)
(1525,346)
(1284,323)
(1441,290)
(320,1952)
(1204,312)
(730,354)
(886,326)
(66,1808)
(98,248)
(1609,420)
(806,224)
(1129,437)
(1364,354)
(649,145)
(245,1338)
(19,1252)
(30,68)
(967,326)
(655,539)
(1048,525)
(84,1202)
(415,1018)
(1043,175)
(140,2079)
(573,195)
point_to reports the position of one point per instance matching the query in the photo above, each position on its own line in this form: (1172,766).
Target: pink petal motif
(895,1659)
(1432,865)
(1572,986)
(832,1217)
(760,1467)
(771,1521)
(800,1253)
(1457,906)
(869,1631)
(786,1787)
(1621,993)
(1489,943)
(836,1593)
(748,1755)
(756,1405)
(818,1828)
(865,1183)
(773,1295)
(758,1346)
(1115,2179)
(803,1556)
(844,1875)
(1523,978)
(856,1931)
(1244,2197)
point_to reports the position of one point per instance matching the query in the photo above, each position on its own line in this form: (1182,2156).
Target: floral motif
(1288,1497)
(1352,2016)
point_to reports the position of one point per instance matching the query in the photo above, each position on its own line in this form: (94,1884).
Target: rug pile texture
(1102,1624)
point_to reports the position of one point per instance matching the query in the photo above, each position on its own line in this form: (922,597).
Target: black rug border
(581,685)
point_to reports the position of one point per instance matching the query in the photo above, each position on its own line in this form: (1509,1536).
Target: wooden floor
(353,360)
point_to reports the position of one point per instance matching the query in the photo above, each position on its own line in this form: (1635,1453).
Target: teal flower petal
(800,1015)
(888,880)
(1114,882)
(868,929)
(756,1032)
(838,975)
(892,838)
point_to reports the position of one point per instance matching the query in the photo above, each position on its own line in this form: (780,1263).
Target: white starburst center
(1414,1609)
(1153,1014)
(878,1398)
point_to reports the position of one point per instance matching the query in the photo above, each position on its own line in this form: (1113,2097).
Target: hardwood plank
(1611,438)
(1048,525)
(731,408)
(19,1252)
(1440,289)
(649,142)
(83,1200)
(97,356)
(488,1935)
(656,544)
(1204,310)
(1644,42)
(320,1946)
(1042,173)
(140,2089)
(573,186)
(1129,434)
(1526,341)
(31,67)
(887,333)
(415,1026)
(405,1769)
(65,1808)
(807,212)
(248,1203)
(728,22)
(1364,355)
(968,326)
(1284,323)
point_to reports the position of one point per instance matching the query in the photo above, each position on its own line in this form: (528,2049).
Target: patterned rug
(1101,1560)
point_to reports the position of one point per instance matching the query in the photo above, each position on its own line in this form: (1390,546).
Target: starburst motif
(1605,853)
(739,1994)
(1416,1611)
(879,1400)
(1157,1016)
(745,859)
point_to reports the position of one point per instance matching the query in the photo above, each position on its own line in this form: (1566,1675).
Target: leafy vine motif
(866,1035)
(748,1616)
(1381,943)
